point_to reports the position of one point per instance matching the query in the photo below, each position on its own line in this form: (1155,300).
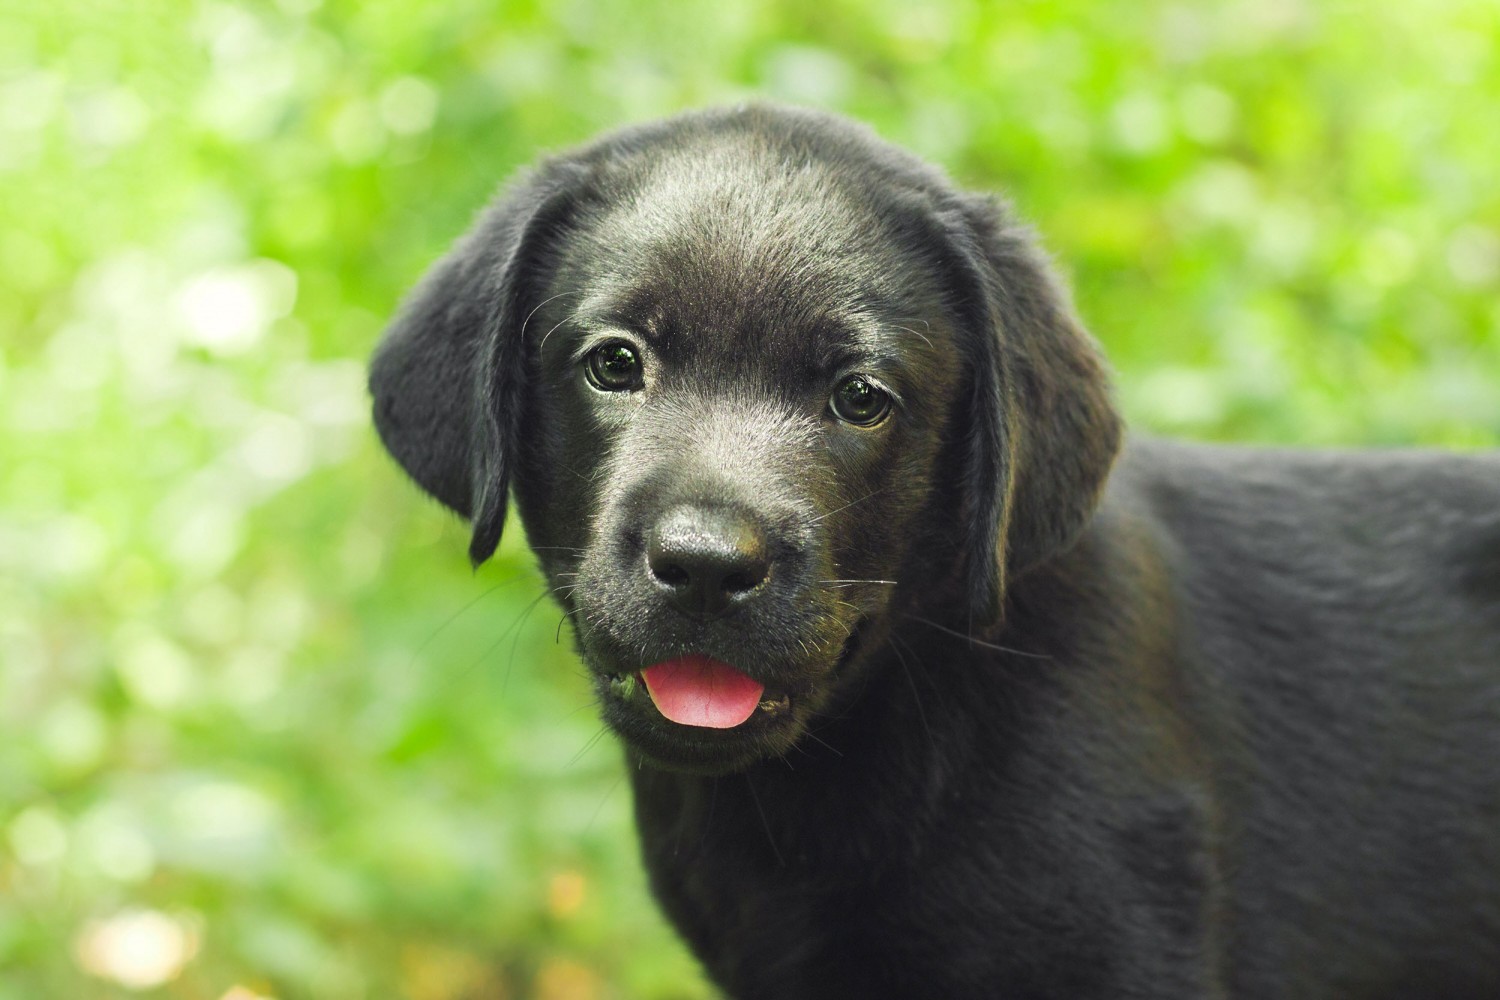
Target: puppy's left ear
(1045,431)
(448,376)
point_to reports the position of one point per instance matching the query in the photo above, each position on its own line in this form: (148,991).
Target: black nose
(707,557)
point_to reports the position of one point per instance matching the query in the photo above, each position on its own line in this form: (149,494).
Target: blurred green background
(262,732)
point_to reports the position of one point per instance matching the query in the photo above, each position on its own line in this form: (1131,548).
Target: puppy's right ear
(448,376)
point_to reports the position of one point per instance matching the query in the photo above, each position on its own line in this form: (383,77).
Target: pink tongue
(698,691)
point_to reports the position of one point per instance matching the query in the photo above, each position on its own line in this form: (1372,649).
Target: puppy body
(1238,751)
(1198,722)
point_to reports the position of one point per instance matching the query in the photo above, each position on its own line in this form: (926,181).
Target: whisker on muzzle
(557,636)
(976,641)
(592,742)
(513,578)
(851,503)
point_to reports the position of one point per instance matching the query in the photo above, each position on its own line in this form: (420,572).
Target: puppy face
(741,386)
(762,385)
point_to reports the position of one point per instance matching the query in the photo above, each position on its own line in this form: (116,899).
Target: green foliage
(260,720)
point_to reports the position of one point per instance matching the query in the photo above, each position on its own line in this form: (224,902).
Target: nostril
(671,574)
(741,580)
(707,558)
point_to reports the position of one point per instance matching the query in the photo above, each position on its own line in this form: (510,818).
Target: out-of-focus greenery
(262,732)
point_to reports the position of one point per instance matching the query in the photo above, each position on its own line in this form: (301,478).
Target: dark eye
(613,367)
(858,401)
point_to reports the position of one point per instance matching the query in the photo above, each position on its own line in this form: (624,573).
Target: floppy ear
(1045,431)
(448,376)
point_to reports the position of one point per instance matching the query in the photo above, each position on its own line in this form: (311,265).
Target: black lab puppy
(928,687)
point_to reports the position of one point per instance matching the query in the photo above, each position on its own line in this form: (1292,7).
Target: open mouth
(699,692)
(696,713)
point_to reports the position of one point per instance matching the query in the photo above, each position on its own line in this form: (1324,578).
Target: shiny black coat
(1057,718)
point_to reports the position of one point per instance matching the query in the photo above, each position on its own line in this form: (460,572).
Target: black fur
(1190,722)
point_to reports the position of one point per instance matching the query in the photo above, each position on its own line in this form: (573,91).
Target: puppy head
(765,384)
